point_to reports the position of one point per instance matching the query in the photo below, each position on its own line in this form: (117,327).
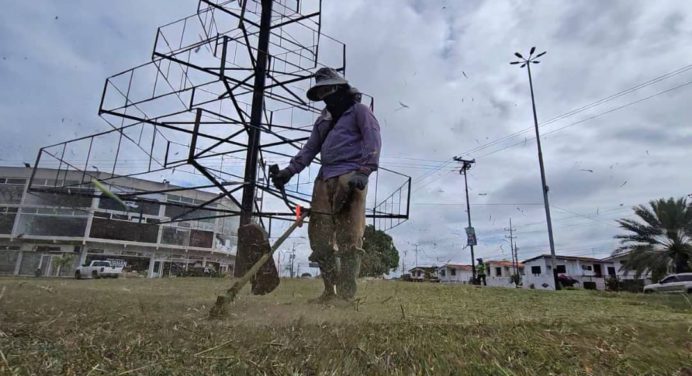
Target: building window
(561,269)
(536,270)
(498,271)
(453,271)
(611,270)
(442,272)
(42,248)
(586,267)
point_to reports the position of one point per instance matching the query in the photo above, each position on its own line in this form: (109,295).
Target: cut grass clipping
(134,326)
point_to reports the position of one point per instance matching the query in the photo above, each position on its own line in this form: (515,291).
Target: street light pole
(527,63)
(466,165)
(403,263)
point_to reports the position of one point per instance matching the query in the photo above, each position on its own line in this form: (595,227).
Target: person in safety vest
(480,271)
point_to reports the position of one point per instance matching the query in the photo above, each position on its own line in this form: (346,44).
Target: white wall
(545,277)
(573,268)
(502,280)
(617,263)
(417,274)
(461,275)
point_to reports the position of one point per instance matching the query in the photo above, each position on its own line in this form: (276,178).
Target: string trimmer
(254,231)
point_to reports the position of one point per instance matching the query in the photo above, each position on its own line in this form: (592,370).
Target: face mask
(332,100)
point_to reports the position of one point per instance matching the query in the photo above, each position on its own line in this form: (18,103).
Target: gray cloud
(418,53)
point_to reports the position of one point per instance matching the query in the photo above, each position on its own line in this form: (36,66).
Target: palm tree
(662,238)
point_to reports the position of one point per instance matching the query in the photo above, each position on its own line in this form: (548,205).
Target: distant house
(424,273)
(616,268)
(589,272)
(499,273)
(455,273)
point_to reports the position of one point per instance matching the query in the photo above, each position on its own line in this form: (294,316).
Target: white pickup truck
(98,269)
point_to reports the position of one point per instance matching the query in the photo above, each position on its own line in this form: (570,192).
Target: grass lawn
(160,327)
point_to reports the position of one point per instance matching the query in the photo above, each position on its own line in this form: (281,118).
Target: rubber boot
(349,268)
(328,274)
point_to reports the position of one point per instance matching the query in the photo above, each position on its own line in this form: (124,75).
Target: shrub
(613,284)
(629,285)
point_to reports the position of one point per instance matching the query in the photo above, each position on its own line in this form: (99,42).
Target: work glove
(358,180)
(281,177)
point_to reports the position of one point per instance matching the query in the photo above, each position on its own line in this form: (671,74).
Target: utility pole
(278,263)
(470,232)
(516,257)
(527,63)
(292,258)
(515,268)
(416,254)
(403,262)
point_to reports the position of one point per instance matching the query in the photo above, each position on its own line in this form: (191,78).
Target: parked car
(98,269)
(681,282)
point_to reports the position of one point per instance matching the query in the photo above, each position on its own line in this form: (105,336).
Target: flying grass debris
(110,194)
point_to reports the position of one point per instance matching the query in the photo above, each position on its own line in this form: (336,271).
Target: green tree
(659,238)
(381,256)
(63,261)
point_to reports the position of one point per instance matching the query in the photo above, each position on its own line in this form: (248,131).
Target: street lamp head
(517,54)
(539,55)
(535,62)
(522,66)
(533,49)
(515,62)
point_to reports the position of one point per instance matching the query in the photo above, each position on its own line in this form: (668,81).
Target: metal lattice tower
(221,98)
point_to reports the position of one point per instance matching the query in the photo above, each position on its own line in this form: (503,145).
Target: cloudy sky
(448,63)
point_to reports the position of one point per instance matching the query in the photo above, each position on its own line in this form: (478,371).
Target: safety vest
(480,269)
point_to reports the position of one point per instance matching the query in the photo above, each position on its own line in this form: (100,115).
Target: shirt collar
(325,115)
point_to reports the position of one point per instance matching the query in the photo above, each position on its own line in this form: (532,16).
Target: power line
(586,107)
(568,114)
(425,176)
(593,117)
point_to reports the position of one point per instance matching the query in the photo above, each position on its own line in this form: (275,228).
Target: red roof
(502,263)
(458,266)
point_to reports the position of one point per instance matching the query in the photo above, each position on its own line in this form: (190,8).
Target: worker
(480,272)
(347,136)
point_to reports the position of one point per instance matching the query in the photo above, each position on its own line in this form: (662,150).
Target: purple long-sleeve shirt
(352,145)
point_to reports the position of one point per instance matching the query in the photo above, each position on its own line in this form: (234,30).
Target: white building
(589,272)
(499,273)
(424,273)
(51,234)
(455,273)
(617,264)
